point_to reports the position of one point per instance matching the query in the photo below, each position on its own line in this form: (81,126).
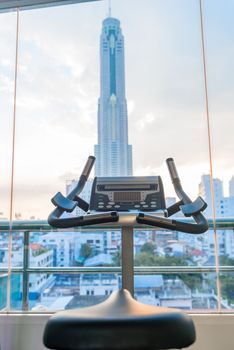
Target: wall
(24,332)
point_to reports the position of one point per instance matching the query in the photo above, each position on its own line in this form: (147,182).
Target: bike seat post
(127,258)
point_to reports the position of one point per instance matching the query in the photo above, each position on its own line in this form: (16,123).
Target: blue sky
(58,89)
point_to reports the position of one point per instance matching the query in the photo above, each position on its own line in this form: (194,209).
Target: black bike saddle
(119,323)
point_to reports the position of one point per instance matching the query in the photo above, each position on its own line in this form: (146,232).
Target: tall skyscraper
(113,153)
(205,192)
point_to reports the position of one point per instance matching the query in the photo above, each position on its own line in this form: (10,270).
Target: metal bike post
(127,259)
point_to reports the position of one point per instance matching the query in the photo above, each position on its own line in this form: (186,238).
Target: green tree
(145,259)
(226,261)
(227,280)
(116,259)
(148,248)
(193,281)
(86,251)
(227,287)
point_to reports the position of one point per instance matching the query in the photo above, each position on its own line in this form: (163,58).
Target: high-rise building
(113,153)
(224,207)
(205,192)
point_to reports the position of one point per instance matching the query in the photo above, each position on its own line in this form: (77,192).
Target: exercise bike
(121,322)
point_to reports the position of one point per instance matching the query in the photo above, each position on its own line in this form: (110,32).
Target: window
(161,95)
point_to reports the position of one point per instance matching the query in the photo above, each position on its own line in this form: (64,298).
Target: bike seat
(119,323)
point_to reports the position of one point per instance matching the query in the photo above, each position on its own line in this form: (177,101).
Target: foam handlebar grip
(88,167)
(172,169)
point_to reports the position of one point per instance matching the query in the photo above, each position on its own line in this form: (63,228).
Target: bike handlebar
(88,167)
(188,207)
(83,178)
(55,220)
(200,225)
(176,181)
(172,170)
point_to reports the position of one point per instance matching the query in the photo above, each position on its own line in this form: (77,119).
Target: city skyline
(95,249)
(58,87)
(56,129)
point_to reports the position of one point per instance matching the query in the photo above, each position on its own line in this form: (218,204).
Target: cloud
(146,121)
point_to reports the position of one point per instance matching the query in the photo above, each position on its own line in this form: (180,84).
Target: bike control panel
(127,193)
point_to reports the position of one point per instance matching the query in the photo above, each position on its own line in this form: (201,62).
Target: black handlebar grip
(172,170)
(88,167)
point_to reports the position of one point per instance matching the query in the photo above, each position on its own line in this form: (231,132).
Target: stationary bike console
(127,193)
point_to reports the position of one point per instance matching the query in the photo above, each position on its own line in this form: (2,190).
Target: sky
(58,90)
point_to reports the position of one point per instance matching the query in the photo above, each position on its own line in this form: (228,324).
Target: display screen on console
(127,187)
(127,196)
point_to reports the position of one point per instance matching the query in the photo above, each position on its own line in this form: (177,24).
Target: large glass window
(54,82)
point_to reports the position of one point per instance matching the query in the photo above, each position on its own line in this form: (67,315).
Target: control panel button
(137,206)
(145,206)
(153,202)
(111,203)
(109,206)
(100,206)
(142,202)
(117,206)
(100,203)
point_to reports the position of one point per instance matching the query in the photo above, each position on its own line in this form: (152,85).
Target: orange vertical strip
(12,166)
(210,160)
